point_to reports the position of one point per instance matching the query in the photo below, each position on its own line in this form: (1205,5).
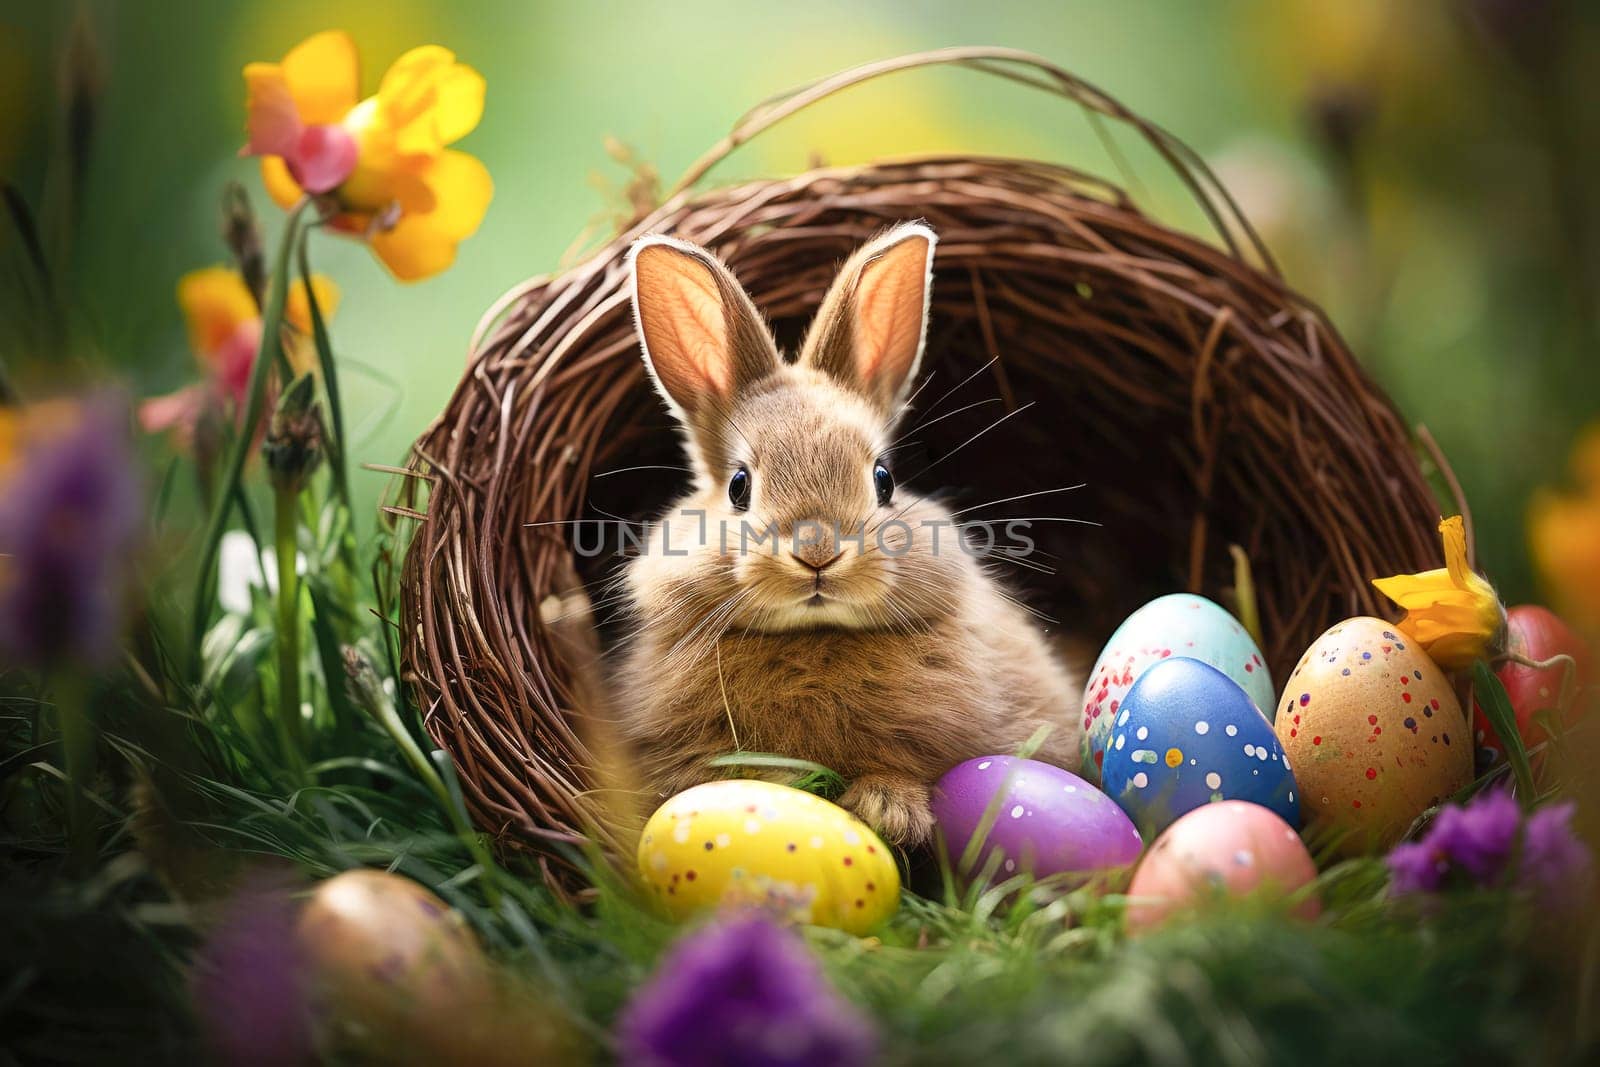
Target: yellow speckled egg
(1374,732)
(756,843)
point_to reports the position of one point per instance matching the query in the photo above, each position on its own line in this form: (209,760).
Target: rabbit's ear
(703,339)
(870,330)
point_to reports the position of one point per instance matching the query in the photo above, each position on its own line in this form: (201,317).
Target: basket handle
(1014,65)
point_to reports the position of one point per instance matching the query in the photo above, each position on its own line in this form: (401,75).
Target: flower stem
(369,694)
(330,374)
(286,527)
(255,401)
(1569,673)
(338,455)
(78,759)
(1568,665)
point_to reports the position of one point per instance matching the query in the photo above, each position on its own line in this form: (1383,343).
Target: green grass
(1018,973)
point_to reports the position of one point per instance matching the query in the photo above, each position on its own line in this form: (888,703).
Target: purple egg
(1047,820)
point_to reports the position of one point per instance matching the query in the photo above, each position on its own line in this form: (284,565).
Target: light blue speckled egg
(1179,624)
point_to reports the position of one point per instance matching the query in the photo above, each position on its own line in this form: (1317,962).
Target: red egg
(1230,848)
(1535,633)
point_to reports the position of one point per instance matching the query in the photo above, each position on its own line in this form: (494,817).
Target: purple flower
(1417,867)
(1554,863)
(742,992)
(1488,843)
(69,518)
(1478,838)
(248,983)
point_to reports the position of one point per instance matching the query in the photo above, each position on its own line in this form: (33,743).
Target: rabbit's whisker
(727,606)
(1022,561)
(1003,418)
(953,414)
(1030,518)
(1035,612)
(578,522)
(642,467)
(906,405)
(931,591)
(1026,565)
(1020,496)
(935,405)
(609,515)
(721,620)
(669,615)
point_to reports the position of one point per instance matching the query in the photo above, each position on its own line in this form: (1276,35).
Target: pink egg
(1231,848)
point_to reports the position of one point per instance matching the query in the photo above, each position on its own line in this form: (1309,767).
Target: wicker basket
(1204,403)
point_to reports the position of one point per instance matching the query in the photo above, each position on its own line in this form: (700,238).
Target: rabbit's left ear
(871,327)
(703,340)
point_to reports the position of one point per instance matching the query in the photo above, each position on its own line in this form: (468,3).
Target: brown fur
(887,667)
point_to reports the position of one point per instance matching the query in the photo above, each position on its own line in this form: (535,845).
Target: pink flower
(320,155)
(225,334)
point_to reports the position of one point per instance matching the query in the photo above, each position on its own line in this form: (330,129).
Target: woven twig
(1204,403)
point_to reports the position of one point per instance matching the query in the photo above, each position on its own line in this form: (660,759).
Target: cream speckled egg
(751,843)
(1375,732)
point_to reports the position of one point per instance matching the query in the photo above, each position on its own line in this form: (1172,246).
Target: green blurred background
(1424,169)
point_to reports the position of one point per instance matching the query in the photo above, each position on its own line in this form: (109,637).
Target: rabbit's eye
(739,489)
(884,481)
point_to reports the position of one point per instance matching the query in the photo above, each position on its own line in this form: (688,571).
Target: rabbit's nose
(817,557)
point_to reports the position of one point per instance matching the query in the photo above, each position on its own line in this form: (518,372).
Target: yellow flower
(1585,459)
(380,165)
(218,310)
(1452,612)
(1564,537)
(224,327)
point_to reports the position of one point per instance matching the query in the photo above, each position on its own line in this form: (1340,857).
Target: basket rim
(520,352)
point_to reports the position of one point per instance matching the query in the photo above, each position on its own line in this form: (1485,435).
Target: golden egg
(1374,732)
(396,976)
(754,843)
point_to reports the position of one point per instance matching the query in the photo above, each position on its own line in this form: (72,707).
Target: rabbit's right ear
(703,338)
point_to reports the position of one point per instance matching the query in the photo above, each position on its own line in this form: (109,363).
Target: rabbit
(888,661)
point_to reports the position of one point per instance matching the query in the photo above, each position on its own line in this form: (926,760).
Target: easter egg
(1180,624)
(1046,820)
(760,844)
(1534,633)
(395,975)
(1187,735)
(1228,849)
(1375,731)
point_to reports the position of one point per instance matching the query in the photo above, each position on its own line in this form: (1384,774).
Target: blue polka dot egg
(1187,735)
(1179,624)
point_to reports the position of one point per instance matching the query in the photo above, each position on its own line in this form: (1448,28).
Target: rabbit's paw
(895,806)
